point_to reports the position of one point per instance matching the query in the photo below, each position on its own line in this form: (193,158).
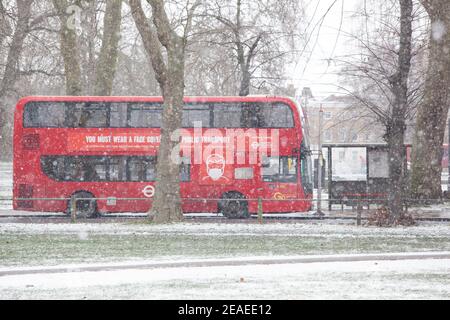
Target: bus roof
(158,98)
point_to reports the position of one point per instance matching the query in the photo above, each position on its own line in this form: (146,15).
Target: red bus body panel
(31,182)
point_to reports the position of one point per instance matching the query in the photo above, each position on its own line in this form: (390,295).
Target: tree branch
(150,40)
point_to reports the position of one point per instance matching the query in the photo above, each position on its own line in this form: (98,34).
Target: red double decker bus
(103,150)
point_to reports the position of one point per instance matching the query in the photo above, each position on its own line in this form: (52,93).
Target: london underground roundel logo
(149,191)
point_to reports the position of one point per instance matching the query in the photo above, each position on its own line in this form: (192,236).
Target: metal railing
(357,203)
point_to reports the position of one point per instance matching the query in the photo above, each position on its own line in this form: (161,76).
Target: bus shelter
(358,172)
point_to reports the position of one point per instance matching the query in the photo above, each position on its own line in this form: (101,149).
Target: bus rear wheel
(234,206)
(85,208)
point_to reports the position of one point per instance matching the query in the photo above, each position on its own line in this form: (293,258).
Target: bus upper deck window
(86,115)
(118,115)
(145,115)
(196,115)
(44,115)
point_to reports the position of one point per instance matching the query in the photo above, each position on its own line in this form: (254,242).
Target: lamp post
(319,166)
(448,159)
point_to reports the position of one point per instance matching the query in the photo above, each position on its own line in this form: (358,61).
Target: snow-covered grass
(55,244)
(5,183)
(409,279)
(6,176)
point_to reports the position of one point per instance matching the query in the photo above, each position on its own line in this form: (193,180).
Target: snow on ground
(5,184)
(409,279)
(6,178)
(335,229)
(27,245)
(55,244)
(193,263)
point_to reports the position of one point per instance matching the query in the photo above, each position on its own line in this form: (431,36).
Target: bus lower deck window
(279,169)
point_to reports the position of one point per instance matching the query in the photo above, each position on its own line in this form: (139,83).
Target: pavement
(432,213)
(228,262)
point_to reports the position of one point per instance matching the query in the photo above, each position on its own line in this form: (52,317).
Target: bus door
(306,185)
(279,182)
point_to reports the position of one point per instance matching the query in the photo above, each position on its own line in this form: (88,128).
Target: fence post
(358,213)
(73,210)
(260,210)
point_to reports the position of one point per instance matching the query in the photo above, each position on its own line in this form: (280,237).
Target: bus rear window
(44,115)
(65,115)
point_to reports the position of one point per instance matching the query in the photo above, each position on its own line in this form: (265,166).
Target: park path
(228,262)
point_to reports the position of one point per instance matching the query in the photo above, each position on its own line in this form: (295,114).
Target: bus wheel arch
(234,205)
(85,208)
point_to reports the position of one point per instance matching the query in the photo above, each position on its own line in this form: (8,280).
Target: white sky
(317,73)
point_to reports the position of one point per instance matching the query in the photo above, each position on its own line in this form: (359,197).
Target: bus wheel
(232,207)
(85,208)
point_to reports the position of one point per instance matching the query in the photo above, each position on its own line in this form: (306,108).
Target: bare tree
(107,61)
(432,113)
(170,76)
(11,71)
(385,69)
(103,68)
(69,49)
(5,27)
(15,49)
(256,40)
(395,130)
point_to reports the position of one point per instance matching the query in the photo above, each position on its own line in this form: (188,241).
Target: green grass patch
(20,249)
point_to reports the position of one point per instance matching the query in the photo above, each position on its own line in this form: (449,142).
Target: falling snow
(339,112)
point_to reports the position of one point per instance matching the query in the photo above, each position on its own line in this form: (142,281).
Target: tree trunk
(396,156)
(88,59)
(16,47)
(107,61)
(69,50)
(11,70)
(432,113)
(245,81)
(396,128)
(166,205)
(167,202)
(244,89)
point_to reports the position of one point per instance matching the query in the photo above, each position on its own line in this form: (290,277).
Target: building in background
(348,122)
(343,121)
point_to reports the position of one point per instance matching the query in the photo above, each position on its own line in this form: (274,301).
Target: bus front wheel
(86,206)
(234,206)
